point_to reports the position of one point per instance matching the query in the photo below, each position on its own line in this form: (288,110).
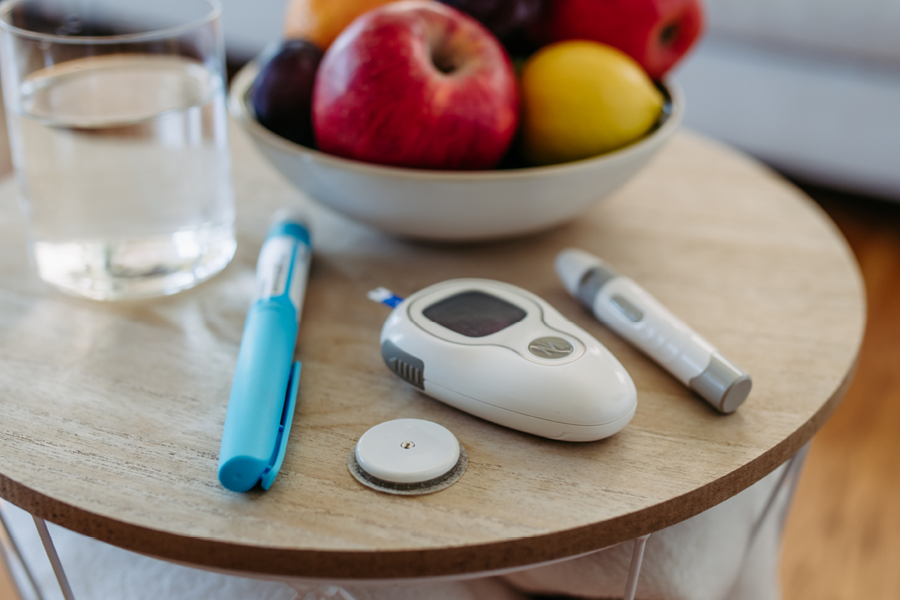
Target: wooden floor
(843,534)
(8,590)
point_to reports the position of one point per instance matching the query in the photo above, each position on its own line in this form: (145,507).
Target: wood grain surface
(112,413)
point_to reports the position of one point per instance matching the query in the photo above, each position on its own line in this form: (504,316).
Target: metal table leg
(50,549)
(634,571)
(781,496)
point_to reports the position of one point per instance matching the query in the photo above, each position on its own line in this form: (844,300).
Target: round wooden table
(111,414)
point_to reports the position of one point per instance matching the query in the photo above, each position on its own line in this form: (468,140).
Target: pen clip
(284,429)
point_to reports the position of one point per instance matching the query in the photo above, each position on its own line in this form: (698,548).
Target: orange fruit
(321,21)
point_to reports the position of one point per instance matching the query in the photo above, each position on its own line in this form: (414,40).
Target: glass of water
(117,125)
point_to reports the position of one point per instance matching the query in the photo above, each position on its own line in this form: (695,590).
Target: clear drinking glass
(117,123)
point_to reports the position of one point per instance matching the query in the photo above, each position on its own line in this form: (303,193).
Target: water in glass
(125,171)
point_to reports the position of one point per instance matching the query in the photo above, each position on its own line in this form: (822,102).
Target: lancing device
(264,391)
(626,308)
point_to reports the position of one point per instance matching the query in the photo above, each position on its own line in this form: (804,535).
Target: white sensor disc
(407,456)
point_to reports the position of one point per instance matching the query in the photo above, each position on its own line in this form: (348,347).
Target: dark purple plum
(281,95)
(504,18)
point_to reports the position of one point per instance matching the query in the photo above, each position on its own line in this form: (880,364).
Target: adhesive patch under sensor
(408,457)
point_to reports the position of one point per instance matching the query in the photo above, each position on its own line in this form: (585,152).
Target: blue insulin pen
(264,391)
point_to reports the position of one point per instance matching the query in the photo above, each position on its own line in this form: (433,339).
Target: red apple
(656,33)
(416,84)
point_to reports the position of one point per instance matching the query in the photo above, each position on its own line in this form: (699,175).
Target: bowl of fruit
(433,120)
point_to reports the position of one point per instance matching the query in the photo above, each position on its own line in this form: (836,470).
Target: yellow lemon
(582,98)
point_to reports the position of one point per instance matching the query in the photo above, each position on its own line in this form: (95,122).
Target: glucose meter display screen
(474,314)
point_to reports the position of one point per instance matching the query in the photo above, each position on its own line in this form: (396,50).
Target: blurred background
(812,88)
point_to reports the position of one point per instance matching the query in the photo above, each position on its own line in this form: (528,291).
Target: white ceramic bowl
(452,205)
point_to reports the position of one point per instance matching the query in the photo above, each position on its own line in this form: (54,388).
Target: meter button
(550,347)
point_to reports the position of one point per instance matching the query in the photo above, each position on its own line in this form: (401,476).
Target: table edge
(393,564)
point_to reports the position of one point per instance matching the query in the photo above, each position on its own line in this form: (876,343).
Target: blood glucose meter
(503,354)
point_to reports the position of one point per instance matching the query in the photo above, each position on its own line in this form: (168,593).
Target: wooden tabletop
(111,414)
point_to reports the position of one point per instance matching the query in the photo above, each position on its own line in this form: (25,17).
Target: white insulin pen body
(626,308)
